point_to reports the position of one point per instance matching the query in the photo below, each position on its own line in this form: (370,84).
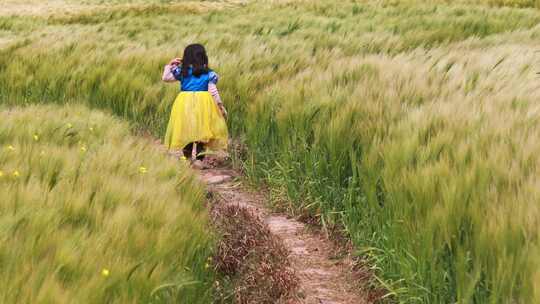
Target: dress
(194,115)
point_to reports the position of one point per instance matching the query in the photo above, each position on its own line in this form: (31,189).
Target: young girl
(198,116)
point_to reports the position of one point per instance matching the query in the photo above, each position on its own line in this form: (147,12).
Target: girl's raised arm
(167,74)
(167,71)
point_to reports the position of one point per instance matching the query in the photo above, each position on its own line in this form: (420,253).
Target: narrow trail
(324,277)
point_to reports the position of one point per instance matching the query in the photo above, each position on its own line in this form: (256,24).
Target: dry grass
(252,258)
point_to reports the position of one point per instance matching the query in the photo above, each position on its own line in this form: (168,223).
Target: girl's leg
(187,150)
(194,152)
(200,150)
(197,157)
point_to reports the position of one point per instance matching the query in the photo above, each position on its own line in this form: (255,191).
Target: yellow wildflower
(69,125)
(11,148)
(142,170)
(105,272)
(16,173)
(183,157)
(206,266)
(1,173)
(36,137)
(83,149)
(91,129)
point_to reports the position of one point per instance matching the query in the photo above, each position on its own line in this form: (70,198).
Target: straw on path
(323,277)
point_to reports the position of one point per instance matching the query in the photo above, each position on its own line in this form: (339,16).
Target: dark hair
(195,57)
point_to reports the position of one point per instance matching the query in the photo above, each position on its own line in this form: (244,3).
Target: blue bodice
(193,83)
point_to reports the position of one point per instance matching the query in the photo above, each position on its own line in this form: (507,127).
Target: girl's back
(191,83)
(197,116)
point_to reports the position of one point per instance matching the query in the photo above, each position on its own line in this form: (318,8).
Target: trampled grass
(413,124)
(91,214)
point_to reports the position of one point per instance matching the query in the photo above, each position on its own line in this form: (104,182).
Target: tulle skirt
(196,118)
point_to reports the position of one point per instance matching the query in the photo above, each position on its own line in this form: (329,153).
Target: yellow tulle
(196,118)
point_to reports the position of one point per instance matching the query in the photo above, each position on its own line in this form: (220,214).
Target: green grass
(80,195)
(411,124)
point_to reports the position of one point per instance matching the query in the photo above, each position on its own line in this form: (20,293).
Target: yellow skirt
(196,118)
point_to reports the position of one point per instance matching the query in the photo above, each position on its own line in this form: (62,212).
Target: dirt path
(324,278)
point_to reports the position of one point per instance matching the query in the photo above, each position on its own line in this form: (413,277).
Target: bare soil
(324,275)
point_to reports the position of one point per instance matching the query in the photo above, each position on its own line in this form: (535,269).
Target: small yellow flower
(105,272)
(142,170)
(83,149)
(36,137)
(206,266)
(183,158)
(11,148)
(16,173)
(1,173)
(91,129)
(69,125)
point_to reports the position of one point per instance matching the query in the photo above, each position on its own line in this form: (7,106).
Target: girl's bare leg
(194,152)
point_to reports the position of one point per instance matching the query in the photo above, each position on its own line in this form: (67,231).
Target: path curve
(323,277)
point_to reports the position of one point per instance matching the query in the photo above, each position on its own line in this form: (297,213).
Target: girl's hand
(223,111)
(176,61)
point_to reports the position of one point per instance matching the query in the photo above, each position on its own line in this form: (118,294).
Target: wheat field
(91,213)
(411,126)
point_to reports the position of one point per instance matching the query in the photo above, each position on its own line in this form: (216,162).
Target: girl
(198,116)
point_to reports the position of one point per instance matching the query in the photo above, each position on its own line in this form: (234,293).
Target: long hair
(196,58)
